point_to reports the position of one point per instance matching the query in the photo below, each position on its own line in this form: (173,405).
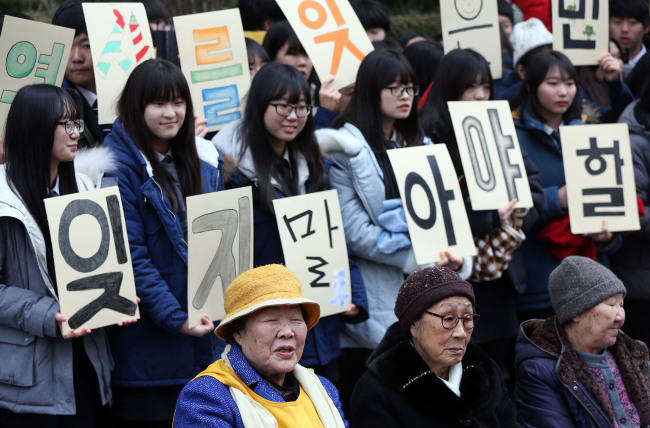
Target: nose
(293,114)
(75,54)
(75,133)
(285,330)
(302,59)
(168,110)
(459,331)
(480,94)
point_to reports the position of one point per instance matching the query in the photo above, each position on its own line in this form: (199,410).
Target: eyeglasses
(70,125)
(449,322)
(397,91)
(286,109)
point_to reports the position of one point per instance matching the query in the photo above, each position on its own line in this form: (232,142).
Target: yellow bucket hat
(262,287)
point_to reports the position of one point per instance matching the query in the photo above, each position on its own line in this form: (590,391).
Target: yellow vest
(299,413)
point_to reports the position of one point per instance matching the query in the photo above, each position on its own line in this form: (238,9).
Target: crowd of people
(533,339)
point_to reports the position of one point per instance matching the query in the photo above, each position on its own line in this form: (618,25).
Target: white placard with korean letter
(473,24)
(331,34)
(120,39)
(599,173)
(220,247)
(433,204)
(581,29)
(215,63)
(33,52)
(313,242)
(92,260)
(489,150)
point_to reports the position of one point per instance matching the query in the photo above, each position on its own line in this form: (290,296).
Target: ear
(521,71)
(414,326)
(577,318)
(237,336)
(267,23)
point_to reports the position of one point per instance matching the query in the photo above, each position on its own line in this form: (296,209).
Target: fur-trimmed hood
(398,365)
(547,339)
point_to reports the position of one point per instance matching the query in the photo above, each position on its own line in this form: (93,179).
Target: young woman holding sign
(46,379)
(380,116)
(547,100)
(154,142)
(464,75)
(276,153)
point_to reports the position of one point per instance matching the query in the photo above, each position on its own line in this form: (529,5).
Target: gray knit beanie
(424,288)
(579,284)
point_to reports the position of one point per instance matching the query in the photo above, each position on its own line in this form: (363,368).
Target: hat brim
(311,308)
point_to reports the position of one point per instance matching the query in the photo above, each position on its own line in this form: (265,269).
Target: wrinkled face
(273,340)
(298,60)
(628,32)
(599,326)
(64,148)
(80,64)
(555,94)
(396,107)
(164,119)
(283,129)
(479,91)
(376,34)
(441,348)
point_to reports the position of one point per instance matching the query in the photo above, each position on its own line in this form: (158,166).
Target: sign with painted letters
(599,173)
(581,29)
(433,204)
(33,52)
(214,60)
(92,259)
(489,150)
(120,39)
(331,34)
(220,247)
(313,243)
(473,24)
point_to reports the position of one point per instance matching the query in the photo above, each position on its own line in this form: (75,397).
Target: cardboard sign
(33,52)
(313,242)
(332,35)
(473,24)
(220,247)
(581,29)
(92,259)
(120,39)
(433,204)
(214,61)
(489,150)
(599,173)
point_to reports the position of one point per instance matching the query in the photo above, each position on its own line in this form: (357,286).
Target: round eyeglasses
(449,321)
(286,109)
(70,125)
(397,91)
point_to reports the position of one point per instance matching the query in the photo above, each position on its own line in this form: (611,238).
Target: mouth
(405,107)
(285,350)
(72,147)
(289,129)
(562,103)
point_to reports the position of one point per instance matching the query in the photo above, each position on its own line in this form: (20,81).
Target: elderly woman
(577,368)
(258,381)
(425,373)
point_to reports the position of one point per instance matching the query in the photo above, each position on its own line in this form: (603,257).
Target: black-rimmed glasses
(286,109)
(449,321)
(70,125)
(397,91)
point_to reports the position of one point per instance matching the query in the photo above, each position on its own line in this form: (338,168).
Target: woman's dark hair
(372,14)
(596,91)
(33,117)
(275,81)
(425,58)
(254,49)
(457,72)
(405,38)
(255,13)
(279,34)
(378,70)
(160,80)
(156,11)
(540,65)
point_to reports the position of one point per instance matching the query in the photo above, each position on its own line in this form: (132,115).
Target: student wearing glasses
(380,116)
(425,371)
(274,150)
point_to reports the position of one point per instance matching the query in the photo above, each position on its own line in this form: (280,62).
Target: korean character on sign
(596,164)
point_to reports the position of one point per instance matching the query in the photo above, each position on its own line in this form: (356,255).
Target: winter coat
(619,97)
(152,352)
(539,262)
(207,402)
(357,177)
(400,390)
(36,374)
(323,341)
(555,389)
(632,262)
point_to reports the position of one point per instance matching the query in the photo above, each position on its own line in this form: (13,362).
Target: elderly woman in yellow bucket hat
(258,381)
